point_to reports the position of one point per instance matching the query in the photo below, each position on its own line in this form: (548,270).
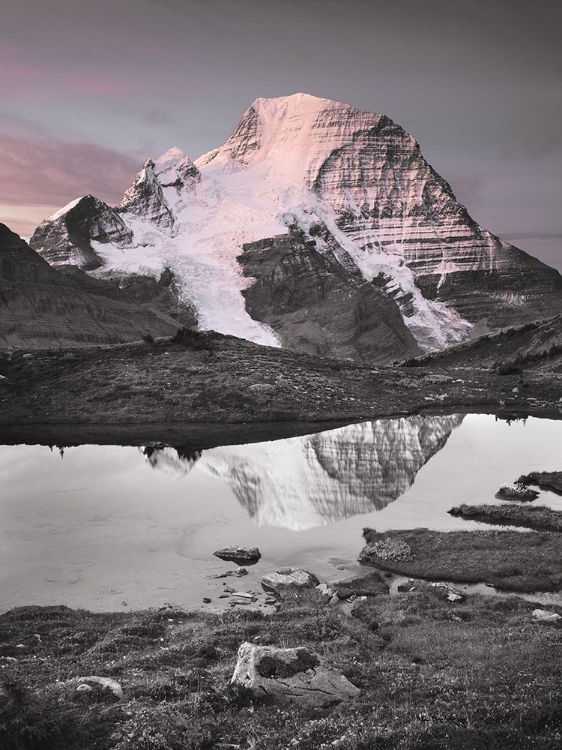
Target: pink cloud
(47,171)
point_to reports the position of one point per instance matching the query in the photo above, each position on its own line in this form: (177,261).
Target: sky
(89,89)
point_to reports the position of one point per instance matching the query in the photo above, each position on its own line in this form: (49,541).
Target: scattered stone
(206,600)
(288,581)
(543,615)
(237,554)
(100,685)
(238,573)
(516,491)
(290,674)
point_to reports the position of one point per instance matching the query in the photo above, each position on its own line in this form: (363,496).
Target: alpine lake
(131,527)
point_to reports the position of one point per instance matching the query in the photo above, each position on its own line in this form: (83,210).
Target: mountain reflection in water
(318,479)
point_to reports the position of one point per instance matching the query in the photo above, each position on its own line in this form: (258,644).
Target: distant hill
(41,306)
(536,345)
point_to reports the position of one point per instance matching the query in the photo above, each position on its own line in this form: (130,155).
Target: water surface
(115,527)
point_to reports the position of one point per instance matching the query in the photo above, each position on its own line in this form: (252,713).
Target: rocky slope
(317,479)
(41,306)
(532,346)
(358,191)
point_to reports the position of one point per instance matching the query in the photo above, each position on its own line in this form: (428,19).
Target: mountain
(41,306)
(317,479)
(316,226)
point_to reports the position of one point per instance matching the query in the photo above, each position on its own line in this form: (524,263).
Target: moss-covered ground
(481,674)
(516,561)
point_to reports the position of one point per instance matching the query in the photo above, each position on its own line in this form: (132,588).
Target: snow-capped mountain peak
(328,197)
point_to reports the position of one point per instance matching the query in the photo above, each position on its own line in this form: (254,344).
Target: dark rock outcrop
(240,555)
(320,306)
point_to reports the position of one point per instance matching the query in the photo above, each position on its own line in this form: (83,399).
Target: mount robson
(316,227)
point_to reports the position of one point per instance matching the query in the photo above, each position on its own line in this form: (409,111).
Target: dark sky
(91,88)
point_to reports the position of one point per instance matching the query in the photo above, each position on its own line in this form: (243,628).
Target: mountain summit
(315,226)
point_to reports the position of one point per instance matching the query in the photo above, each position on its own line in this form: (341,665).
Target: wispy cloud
(45,170)
(40,173)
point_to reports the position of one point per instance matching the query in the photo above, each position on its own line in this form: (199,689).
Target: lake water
(116,527)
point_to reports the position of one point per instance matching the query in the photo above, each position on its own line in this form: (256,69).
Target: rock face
(378,227)
(67,236)
(290,674)
(298,290)
(42,307)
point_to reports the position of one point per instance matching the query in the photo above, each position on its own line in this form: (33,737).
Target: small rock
(325,591)
(288,581)
(543,615)
(290,674)
(515,390)
(237,554)
(265,389)
(83,688)
(102,684)
(516,491)
(448,592)
(206,600)
(370,584)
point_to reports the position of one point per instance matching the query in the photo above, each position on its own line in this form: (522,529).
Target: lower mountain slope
(536,345)
(42,307)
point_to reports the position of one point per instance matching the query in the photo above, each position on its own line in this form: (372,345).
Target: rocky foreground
(207,377)
(425,668)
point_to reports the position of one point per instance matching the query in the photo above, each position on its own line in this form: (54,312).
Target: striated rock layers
(313,480)
(42,307)
(345,188)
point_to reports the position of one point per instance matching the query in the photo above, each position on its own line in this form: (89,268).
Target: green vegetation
(532,517)
(433,674)
(510,560)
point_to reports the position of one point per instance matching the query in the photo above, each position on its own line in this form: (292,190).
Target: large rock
(237,554)
(288,581)
(543,615)
(290,674)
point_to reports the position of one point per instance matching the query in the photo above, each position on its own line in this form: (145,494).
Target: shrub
(508,368)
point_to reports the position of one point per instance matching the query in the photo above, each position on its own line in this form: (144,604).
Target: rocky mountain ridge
(357,190)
